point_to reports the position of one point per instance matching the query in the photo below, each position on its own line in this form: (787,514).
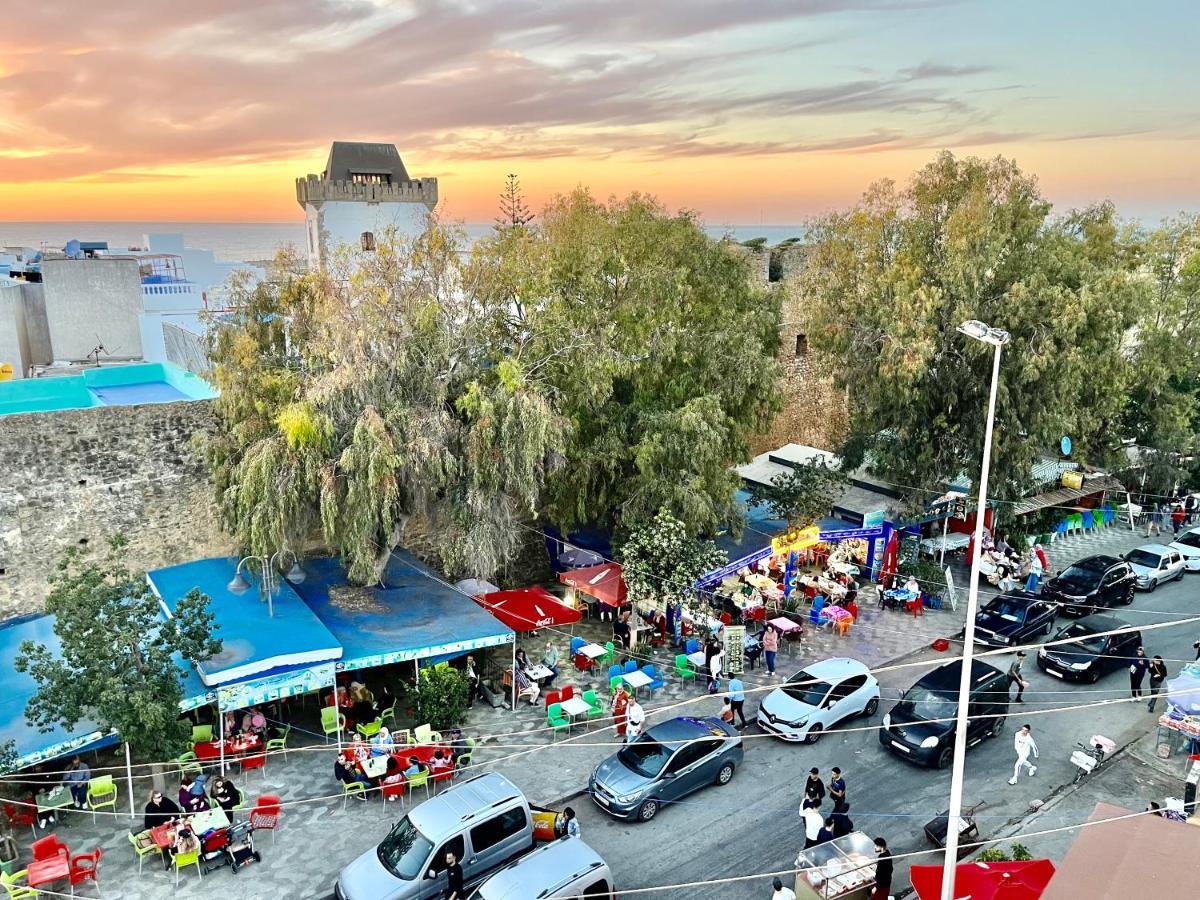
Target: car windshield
(806,689)
(1143,558)
(1006,609)
(927,704)
(645,756)
(1080,578)
(404,851)
(1087,639)
(1191,539)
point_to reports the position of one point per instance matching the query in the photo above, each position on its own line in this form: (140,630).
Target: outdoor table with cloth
(537,673)
(210,750)
(44,871)
(788,630)
(951,541)
(375,767)
(592,651)
(201,823)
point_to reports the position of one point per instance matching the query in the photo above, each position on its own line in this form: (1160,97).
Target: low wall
(75,477)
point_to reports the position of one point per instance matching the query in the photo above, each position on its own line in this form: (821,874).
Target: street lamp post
(997,338)
(295,575)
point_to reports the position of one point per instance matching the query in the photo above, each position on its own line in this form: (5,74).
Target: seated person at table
(852,608)
(440,762)
(550,661)
(233,725)
(525,688)
(912,585)
(523,661)
(383,743)
(185,841)
(346,772)
(359,750)
(189,800)
(226,795)
(414,767)
(160,810)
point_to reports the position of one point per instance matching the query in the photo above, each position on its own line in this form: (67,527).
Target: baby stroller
(212,849)
(240,849)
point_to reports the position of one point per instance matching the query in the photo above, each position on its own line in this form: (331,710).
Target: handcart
(936,829)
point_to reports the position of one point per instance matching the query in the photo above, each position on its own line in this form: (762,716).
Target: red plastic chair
(395,789)
(552,697)
(86,867)
(583,663)
(49,847)
(266,815)
(256,761)
(567,693)
(19,816)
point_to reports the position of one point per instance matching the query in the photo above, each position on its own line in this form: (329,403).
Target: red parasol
(527,609)
(604,582)
(891,558)
(986,881)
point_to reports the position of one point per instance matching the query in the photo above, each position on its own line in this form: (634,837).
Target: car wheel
(1153,586)
(814,735)
(997,726)
(1093,676)
(648,810)
(945,758)
(1046,631)
(1128,598)
(726,773)
(872,707)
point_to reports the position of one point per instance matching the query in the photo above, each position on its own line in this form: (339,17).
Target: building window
(370,178)
(801,346)
(368,241)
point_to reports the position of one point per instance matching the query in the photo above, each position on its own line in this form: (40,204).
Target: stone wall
(75,477)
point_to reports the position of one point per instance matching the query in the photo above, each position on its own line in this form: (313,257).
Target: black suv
(920,727)
(1014,618)
(1091,584)
(1088,657)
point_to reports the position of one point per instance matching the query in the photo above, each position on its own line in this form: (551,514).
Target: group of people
(1011,564)
(1164,515)
(349,767)
(197,794)
(358,704)
(627,713)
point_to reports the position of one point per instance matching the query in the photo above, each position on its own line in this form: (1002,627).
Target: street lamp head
(973,328)
(295,575)
(238,584)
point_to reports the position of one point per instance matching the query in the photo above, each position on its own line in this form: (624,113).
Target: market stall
(843,868)
(1179,725)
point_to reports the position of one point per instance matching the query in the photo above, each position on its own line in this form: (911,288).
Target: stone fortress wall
(313,189)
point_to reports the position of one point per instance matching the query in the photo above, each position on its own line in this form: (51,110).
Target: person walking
(1014,676)
(1177,519)
(1036,567)
(1158,674)
(1154,520)
(454,878)
(779,892)
(770,648)
(637,719)
(726,711)
(883,871)
(1137,671)
(737,699)
(1024,744)
(814,788)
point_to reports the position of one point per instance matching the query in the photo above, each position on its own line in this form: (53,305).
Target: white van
(567,868)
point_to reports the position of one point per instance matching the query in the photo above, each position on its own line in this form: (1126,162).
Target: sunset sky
(746,110)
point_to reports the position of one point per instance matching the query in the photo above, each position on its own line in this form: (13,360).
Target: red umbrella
(986,880)
(604,582)
(527,609)
(891,557)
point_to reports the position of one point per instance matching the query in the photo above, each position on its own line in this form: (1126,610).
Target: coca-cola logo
(543,622)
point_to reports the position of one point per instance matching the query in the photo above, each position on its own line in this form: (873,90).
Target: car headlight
(887,720)
(629,798)
(799,723)
(1042,652)
(929,742)
(1079,667)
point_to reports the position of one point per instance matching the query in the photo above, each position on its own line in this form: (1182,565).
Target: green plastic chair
(17,891)
(683,667)
(1075,522)
(556,720)
(188,765)
(354,787)
(332,721)
(143,846)
(370,729)
(595,708)
(183,860)
(462,763)
(201,734)
(279,743)
(101,793)
(421,779)
(389,713)
(610,655)
(424,734)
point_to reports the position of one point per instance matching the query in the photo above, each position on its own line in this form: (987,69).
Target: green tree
(802,495)
(116,665)
(370,403)
(514,211)
(442,697)
(653,342)
(890,281)
(661,560)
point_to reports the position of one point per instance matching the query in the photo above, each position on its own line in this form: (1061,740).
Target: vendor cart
(936,829)
(843,868)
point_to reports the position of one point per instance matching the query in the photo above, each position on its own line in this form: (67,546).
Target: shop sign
(798,539)
(735,645)
(874,519)
(267,690)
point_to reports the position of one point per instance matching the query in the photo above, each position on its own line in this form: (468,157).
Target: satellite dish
(1065,444)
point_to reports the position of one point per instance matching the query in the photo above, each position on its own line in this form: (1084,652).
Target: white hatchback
(817,698)
(1187,544)
(1153,564)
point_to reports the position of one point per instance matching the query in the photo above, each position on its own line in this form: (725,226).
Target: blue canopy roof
(34,746)
(413,615)
(253,643)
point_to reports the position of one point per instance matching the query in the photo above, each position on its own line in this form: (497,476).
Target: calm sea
(253,241)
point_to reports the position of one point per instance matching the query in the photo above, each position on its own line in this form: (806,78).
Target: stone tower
(364,190)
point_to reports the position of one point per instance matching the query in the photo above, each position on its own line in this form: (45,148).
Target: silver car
(1155,563)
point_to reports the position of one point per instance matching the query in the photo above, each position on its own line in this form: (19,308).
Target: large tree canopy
(653,341)
(892,279)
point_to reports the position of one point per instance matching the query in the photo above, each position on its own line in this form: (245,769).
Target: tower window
(801,346)
(368,241)
(370,178)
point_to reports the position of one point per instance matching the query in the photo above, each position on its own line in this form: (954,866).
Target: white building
(363,191)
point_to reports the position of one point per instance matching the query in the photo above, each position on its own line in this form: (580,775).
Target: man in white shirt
(813,820)
(1024,744)
(781,892)
(636,719)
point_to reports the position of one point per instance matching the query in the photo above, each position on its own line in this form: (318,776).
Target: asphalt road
(752,825)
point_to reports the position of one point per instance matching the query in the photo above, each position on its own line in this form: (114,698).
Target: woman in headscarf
(620,703)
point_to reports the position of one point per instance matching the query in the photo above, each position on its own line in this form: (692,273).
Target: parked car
(485,820)
(1091,584)
(817,698)
(1014,618)
(920,727)
(1153,564)
(668,762)
(1187,543)
(558,870)
(1088,656)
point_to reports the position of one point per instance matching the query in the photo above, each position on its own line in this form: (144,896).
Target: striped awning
(1062,496)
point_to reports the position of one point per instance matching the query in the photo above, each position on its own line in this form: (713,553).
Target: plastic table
(592,651)
(44,871)
(636,679)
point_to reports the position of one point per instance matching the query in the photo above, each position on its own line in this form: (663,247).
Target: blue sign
(1066,445)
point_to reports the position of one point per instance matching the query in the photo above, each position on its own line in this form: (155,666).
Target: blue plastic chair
(576,643)
(656,681)
(1109,514)
(1060,530)
(614,671)
(630,666)
(693,646)
(814,614)
(1089,521)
